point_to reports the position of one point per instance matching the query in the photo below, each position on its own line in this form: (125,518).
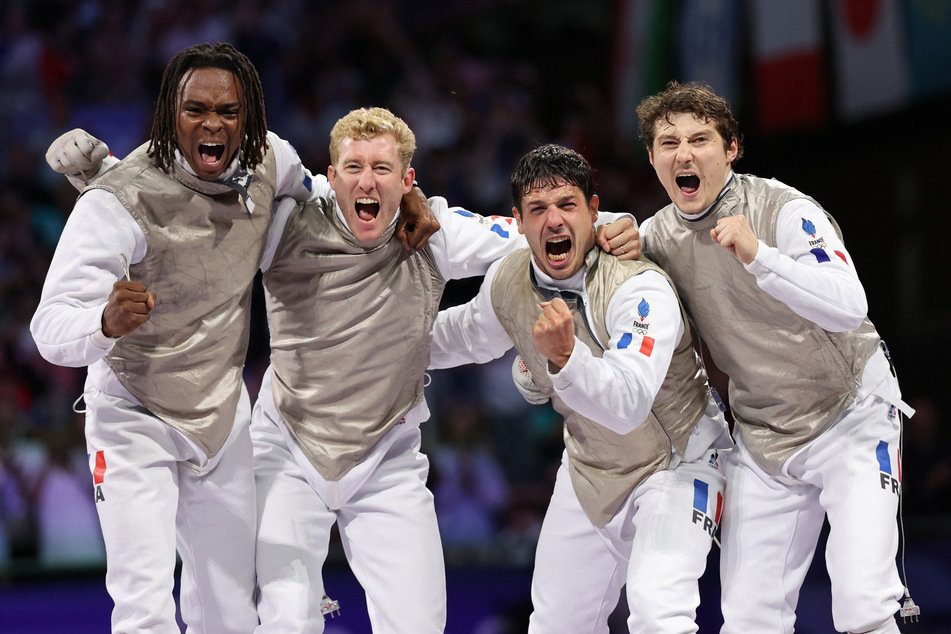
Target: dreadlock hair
(551,165)
(162,141)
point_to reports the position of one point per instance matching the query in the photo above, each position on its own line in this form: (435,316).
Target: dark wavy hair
(224,56)
(551,165)
(693,97)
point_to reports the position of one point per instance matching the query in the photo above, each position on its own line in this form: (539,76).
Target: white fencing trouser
(771,527)
(657,543)
(387,526)
(153,495)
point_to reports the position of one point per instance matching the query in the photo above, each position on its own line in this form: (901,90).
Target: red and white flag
(790,84)
(871,57)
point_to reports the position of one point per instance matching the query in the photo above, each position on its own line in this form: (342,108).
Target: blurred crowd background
(845,100)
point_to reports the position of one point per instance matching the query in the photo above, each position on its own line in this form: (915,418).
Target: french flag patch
(99,472)
(647,346)
(822,256)
(647,343)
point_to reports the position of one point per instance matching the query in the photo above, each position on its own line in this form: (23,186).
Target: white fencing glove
(525,384)
(77,153)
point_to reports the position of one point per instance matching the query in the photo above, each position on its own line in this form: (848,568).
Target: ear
(408,179)
(518,219)
(732,151)
(331,175)
(650,156)
(593,207)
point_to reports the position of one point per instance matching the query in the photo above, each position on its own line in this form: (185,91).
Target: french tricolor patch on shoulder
(647,346)
(647,343)
(822,256)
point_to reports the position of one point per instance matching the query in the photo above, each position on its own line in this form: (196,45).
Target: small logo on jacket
(640,326)
(818,246)
(643,310)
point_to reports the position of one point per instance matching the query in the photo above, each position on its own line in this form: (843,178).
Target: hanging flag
(871,60)
(929,47)
(787,50)
(709,40)
(641,60)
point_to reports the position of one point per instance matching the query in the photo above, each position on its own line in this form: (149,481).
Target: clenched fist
(76,153)
(129,306)
(554,333)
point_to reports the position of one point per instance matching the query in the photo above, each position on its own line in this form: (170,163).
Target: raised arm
(469,242)
(86,299)
(617,390)
(809,270)
(469,333)
(79,155)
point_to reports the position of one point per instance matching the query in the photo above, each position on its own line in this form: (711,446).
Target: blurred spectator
(20,462)
(465,475)
(926,463)
(69,533)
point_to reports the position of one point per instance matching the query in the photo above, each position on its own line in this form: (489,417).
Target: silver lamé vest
(604,466)
(789,378)
(351,329)
(204,248)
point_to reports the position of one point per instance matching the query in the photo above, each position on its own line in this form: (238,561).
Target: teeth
(365,201)
(557,240)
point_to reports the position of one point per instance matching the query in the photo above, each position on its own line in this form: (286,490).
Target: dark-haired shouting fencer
(639,490)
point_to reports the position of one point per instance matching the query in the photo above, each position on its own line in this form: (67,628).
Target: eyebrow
(199,102)
(706,130)
(558,201)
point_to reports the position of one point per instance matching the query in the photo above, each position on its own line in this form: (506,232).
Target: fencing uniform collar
(235,177)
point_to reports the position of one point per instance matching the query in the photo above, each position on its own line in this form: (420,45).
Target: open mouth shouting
(211,153)
(557,250)
(367,209)
(688,183)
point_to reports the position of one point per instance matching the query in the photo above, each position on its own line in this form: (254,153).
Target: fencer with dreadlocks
(150,287)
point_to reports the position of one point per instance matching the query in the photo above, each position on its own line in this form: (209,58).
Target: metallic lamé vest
(789,378)
(351,329)
(604,466)
(204,248)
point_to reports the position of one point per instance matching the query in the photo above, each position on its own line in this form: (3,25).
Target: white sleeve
(469,333)
(609,217)
(810,271)
(80,184)
(67,325)
(618,389)
(467,243)
(293,180)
